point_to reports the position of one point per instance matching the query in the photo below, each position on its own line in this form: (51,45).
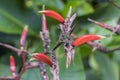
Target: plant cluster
(67,38)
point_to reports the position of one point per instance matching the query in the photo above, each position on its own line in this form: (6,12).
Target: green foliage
(15,14)
(108,70)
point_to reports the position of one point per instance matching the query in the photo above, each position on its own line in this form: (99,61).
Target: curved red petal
(43,58)
(53,14)
(85,38)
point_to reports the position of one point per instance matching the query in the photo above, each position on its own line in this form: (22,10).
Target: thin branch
(114,4)
(56,46)
(18,51)
(110,28)
(101,48)
(28,65)
(6,78)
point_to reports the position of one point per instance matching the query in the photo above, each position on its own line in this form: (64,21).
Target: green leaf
(14,18)
(32,74)
(80,7)
(92,75)
(100,16)
(116,56)
(107,68)
(53,4)
(4,70)
(75,71)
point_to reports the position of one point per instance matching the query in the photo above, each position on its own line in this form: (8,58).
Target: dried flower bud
(69,52)
(46,40)
(12,65)
(43,58)
(55,71)
(55,67)
(23,36)
(85,38)
(53,14)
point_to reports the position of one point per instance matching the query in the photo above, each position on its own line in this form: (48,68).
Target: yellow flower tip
(90,19)
(67,66)
(40,12)
(11,56)
(34,54)
(32,59)
(26,27)
(102,37)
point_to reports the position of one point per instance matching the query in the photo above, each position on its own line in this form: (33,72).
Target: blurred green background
(88,65)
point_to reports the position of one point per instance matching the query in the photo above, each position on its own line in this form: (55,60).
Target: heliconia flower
(43,58)
(53,14)
(98,23)
(12,65)
(85,38)
(23,36)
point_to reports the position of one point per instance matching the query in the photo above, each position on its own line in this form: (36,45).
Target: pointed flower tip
(102,37)
(26,27)
(67,66)
(32,59)
(11,57)
(91,20)
(40,12)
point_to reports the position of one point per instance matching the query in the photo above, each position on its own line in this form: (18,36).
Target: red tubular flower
(23,36)
(53,14)
(12,65)
(43,58)
(85,38)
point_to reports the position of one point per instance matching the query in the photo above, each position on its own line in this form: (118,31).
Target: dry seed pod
(69,52)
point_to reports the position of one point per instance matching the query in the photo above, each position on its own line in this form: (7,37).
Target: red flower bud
(99,23)
(23,36)
(44,26)
(12,65)
(43,58)
(53,14)
(85,38)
